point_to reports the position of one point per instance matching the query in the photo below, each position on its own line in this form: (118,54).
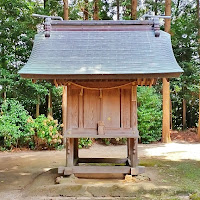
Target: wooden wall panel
(91,108)
(125,108)
(72,104)
(111,108)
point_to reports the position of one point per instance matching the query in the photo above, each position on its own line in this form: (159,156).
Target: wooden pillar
(166,86)
(76,148)
(69,152)
(64,110)
(166,112)
(133,154)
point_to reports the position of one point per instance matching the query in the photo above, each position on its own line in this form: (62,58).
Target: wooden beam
(151,82)
(166,112)
(99,76)
(97,169)
(103,160)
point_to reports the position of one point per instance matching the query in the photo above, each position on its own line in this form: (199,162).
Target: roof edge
(100,76)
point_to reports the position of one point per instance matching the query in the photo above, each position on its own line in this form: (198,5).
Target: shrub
(47,132)
(84,143)
(149,114)
(15,130)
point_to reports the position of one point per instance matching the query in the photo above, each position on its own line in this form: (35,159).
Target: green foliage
(115,141)
(14,127)
(47,132)
(84,143)
(149,114)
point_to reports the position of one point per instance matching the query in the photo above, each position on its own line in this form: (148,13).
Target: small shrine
(100,64)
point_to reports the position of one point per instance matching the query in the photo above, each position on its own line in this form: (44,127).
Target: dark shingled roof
(75,49)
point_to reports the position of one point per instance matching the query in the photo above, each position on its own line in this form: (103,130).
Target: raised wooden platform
(109,133)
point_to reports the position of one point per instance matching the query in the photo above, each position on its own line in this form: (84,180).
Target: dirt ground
(24,171)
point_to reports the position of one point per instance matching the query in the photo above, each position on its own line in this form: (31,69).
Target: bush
(84,143)
(149,114)
(47,132)
(15,131)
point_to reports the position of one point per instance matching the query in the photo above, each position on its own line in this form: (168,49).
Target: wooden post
(69,152)
(134,9)
(166,112)
(75,148)
(64,110)
(133,142)
(66,10)
(166,86)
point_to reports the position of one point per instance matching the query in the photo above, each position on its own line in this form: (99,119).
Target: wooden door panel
(73,104)
(111,108)
(91,108)
(125,108)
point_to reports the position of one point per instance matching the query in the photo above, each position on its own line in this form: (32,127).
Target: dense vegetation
(25,100)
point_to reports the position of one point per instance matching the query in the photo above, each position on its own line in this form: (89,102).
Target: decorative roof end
(47,27)
(156,26)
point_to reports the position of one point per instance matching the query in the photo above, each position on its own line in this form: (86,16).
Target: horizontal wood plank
(97,169)
(103,160)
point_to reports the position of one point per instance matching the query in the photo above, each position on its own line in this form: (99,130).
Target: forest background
(31,113)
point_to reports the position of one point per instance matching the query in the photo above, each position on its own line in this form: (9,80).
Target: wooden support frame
(127,128)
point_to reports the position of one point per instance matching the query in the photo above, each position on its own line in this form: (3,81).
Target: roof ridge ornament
(46,16)
(47,27)
(156,23)
(47,24)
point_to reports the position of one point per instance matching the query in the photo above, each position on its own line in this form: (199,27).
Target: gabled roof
(87,49)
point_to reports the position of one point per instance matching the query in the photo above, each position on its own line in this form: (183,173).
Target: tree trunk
(117,9)
(166,86)
(184,114)
(134,9)
(198,21)
(96,10)
(156,7)
(45,4)
(38,106)
(66,10)
(199,119)
(85,12)
(167,13)
(166,112)
(49,108)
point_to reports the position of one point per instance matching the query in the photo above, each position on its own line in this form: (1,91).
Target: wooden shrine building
(100,64)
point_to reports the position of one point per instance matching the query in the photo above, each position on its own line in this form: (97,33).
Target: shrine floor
(172,172)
